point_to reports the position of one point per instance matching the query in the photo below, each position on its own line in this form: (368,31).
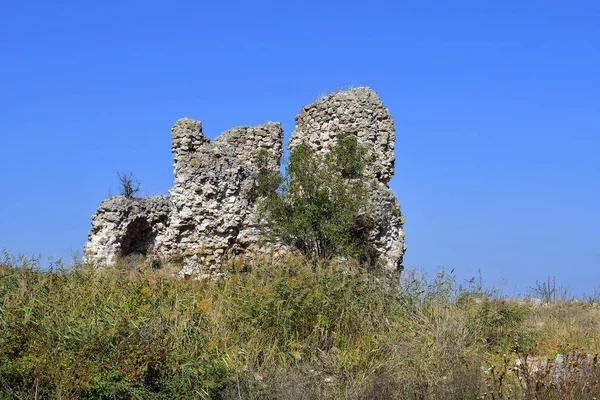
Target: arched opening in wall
(138,238)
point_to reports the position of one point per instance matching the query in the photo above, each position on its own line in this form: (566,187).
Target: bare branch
(128,184)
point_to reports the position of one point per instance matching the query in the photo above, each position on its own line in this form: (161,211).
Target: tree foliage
(320,205)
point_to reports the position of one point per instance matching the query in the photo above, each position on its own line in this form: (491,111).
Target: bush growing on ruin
(320,204)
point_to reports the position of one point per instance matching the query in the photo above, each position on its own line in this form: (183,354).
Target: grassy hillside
(283,330)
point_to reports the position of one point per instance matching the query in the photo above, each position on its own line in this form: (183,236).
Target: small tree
(128,184)
(321,204)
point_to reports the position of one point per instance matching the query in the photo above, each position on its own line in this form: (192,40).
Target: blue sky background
(496,109)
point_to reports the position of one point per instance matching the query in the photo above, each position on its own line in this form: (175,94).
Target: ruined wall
(126,226)
(356,111)
(209,214)
(360,112)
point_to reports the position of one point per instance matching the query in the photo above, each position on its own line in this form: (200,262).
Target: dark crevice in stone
(138,238)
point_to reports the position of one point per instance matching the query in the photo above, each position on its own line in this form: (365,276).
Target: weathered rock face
(355,111)
(212,214)
(360,112)
(126,226)
(209,213)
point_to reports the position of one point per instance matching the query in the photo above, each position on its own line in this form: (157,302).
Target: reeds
(283,330)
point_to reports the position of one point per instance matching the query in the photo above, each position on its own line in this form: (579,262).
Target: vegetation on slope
(283,330)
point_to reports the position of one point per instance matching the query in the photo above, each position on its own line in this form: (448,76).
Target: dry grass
(566,326)
(283,331)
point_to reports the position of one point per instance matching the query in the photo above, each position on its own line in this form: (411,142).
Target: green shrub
(321,205)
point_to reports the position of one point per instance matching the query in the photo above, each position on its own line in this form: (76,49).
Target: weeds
(284,330)
(548,292)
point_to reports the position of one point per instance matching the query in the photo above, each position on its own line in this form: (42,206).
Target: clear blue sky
(496,109)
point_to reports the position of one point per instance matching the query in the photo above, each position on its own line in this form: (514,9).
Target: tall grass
(283,330)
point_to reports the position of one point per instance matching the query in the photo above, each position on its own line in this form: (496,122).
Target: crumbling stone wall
(355,111)
(126,226)
(209,214)
(360,112)
(212,214)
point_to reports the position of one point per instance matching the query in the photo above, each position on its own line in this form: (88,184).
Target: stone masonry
(126,226)
(212,215)
(209,214)
(360,112)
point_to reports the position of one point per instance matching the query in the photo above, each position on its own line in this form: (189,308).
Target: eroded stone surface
(360,112)
(355,111)
(126,226)
(212,214)
(209,214)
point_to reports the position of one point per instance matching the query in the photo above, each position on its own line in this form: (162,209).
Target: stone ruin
(209,215)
